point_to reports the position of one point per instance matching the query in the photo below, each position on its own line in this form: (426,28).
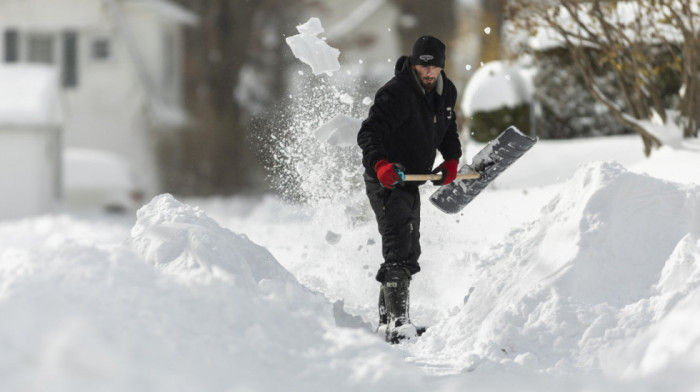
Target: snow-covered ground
(577,270)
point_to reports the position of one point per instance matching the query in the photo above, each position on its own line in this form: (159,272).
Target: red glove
(448,170)
(389,174)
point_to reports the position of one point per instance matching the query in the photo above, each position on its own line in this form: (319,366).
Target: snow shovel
(487,164)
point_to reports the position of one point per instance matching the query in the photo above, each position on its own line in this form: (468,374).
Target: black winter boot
(396,299)
(381,307)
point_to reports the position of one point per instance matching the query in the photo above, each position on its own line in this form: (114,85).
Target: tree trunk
(690,99)
(491,22)
(215,152)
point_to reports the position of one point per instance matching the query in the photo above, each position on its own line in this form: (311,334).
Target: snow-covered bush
(486,125)
(567,109)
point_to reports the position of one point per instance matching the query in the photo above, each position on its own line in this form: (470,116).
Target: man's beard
(428,84)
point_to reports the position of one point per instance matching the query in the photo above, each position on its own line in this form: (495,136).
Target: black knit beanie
(428,50)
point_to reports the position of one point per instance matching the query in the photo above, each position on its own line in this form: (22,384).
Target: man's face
(427,75)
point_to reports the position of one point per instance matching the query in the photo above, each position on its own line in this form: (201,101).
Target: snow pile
(312,50)
(596,291)
(605,281)
(185,242)
(183,305)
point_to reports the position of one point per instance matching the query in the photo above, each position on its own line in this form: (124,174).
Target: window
(69,69)
(11,46)
(101,49)
(40,48)
(60,49)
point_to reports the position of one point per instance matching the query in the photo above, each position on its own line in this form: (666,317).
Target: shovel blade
(491,161)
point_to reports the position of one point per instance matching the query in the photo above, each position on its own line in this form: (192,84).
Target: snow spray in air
(306,163)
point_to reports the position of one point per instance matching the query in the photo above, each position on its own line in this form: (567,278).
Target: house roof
(169,10)
(60,14)
(29,95)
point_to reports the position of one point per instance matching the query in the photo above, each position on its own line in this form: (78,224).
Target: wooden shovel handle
(435,177)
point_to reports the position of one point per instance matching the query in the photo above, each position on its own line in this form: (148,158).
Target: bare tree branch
(627,39)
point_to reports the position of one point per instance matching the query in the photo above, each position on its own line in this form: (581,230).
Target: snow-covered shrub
(567,108)
(486,125)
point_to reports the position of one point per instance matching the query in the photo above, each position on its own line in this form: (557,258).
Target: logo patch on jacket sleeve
(449,113)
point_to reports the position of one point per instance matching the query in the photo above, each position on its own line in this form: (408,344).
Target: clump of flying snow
(314,157)
(341,131)
(312,50)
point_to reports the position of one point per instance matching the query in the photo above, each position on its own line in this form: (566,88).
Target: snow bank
(312,50)
(605,281)
(184,241)
(182,305)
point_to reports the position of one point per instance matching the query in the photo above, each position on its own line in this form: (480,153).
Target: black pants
(398,217)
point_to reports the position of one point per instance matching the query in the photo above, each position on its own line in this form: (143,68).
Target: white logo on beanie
(426,57)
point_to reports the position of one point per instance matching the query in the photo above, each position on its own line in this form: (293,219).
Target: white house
(30,151)
(119,64)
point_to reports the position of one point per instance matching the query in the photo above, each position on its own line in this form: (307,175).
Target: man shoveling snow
(411,119)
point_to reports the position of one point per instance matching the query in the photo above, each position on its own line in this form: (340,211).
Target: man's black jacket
(402,127)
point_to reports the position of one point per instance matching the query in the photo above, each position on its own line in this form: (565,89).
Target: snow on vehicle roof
(170,10)
(87,168)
